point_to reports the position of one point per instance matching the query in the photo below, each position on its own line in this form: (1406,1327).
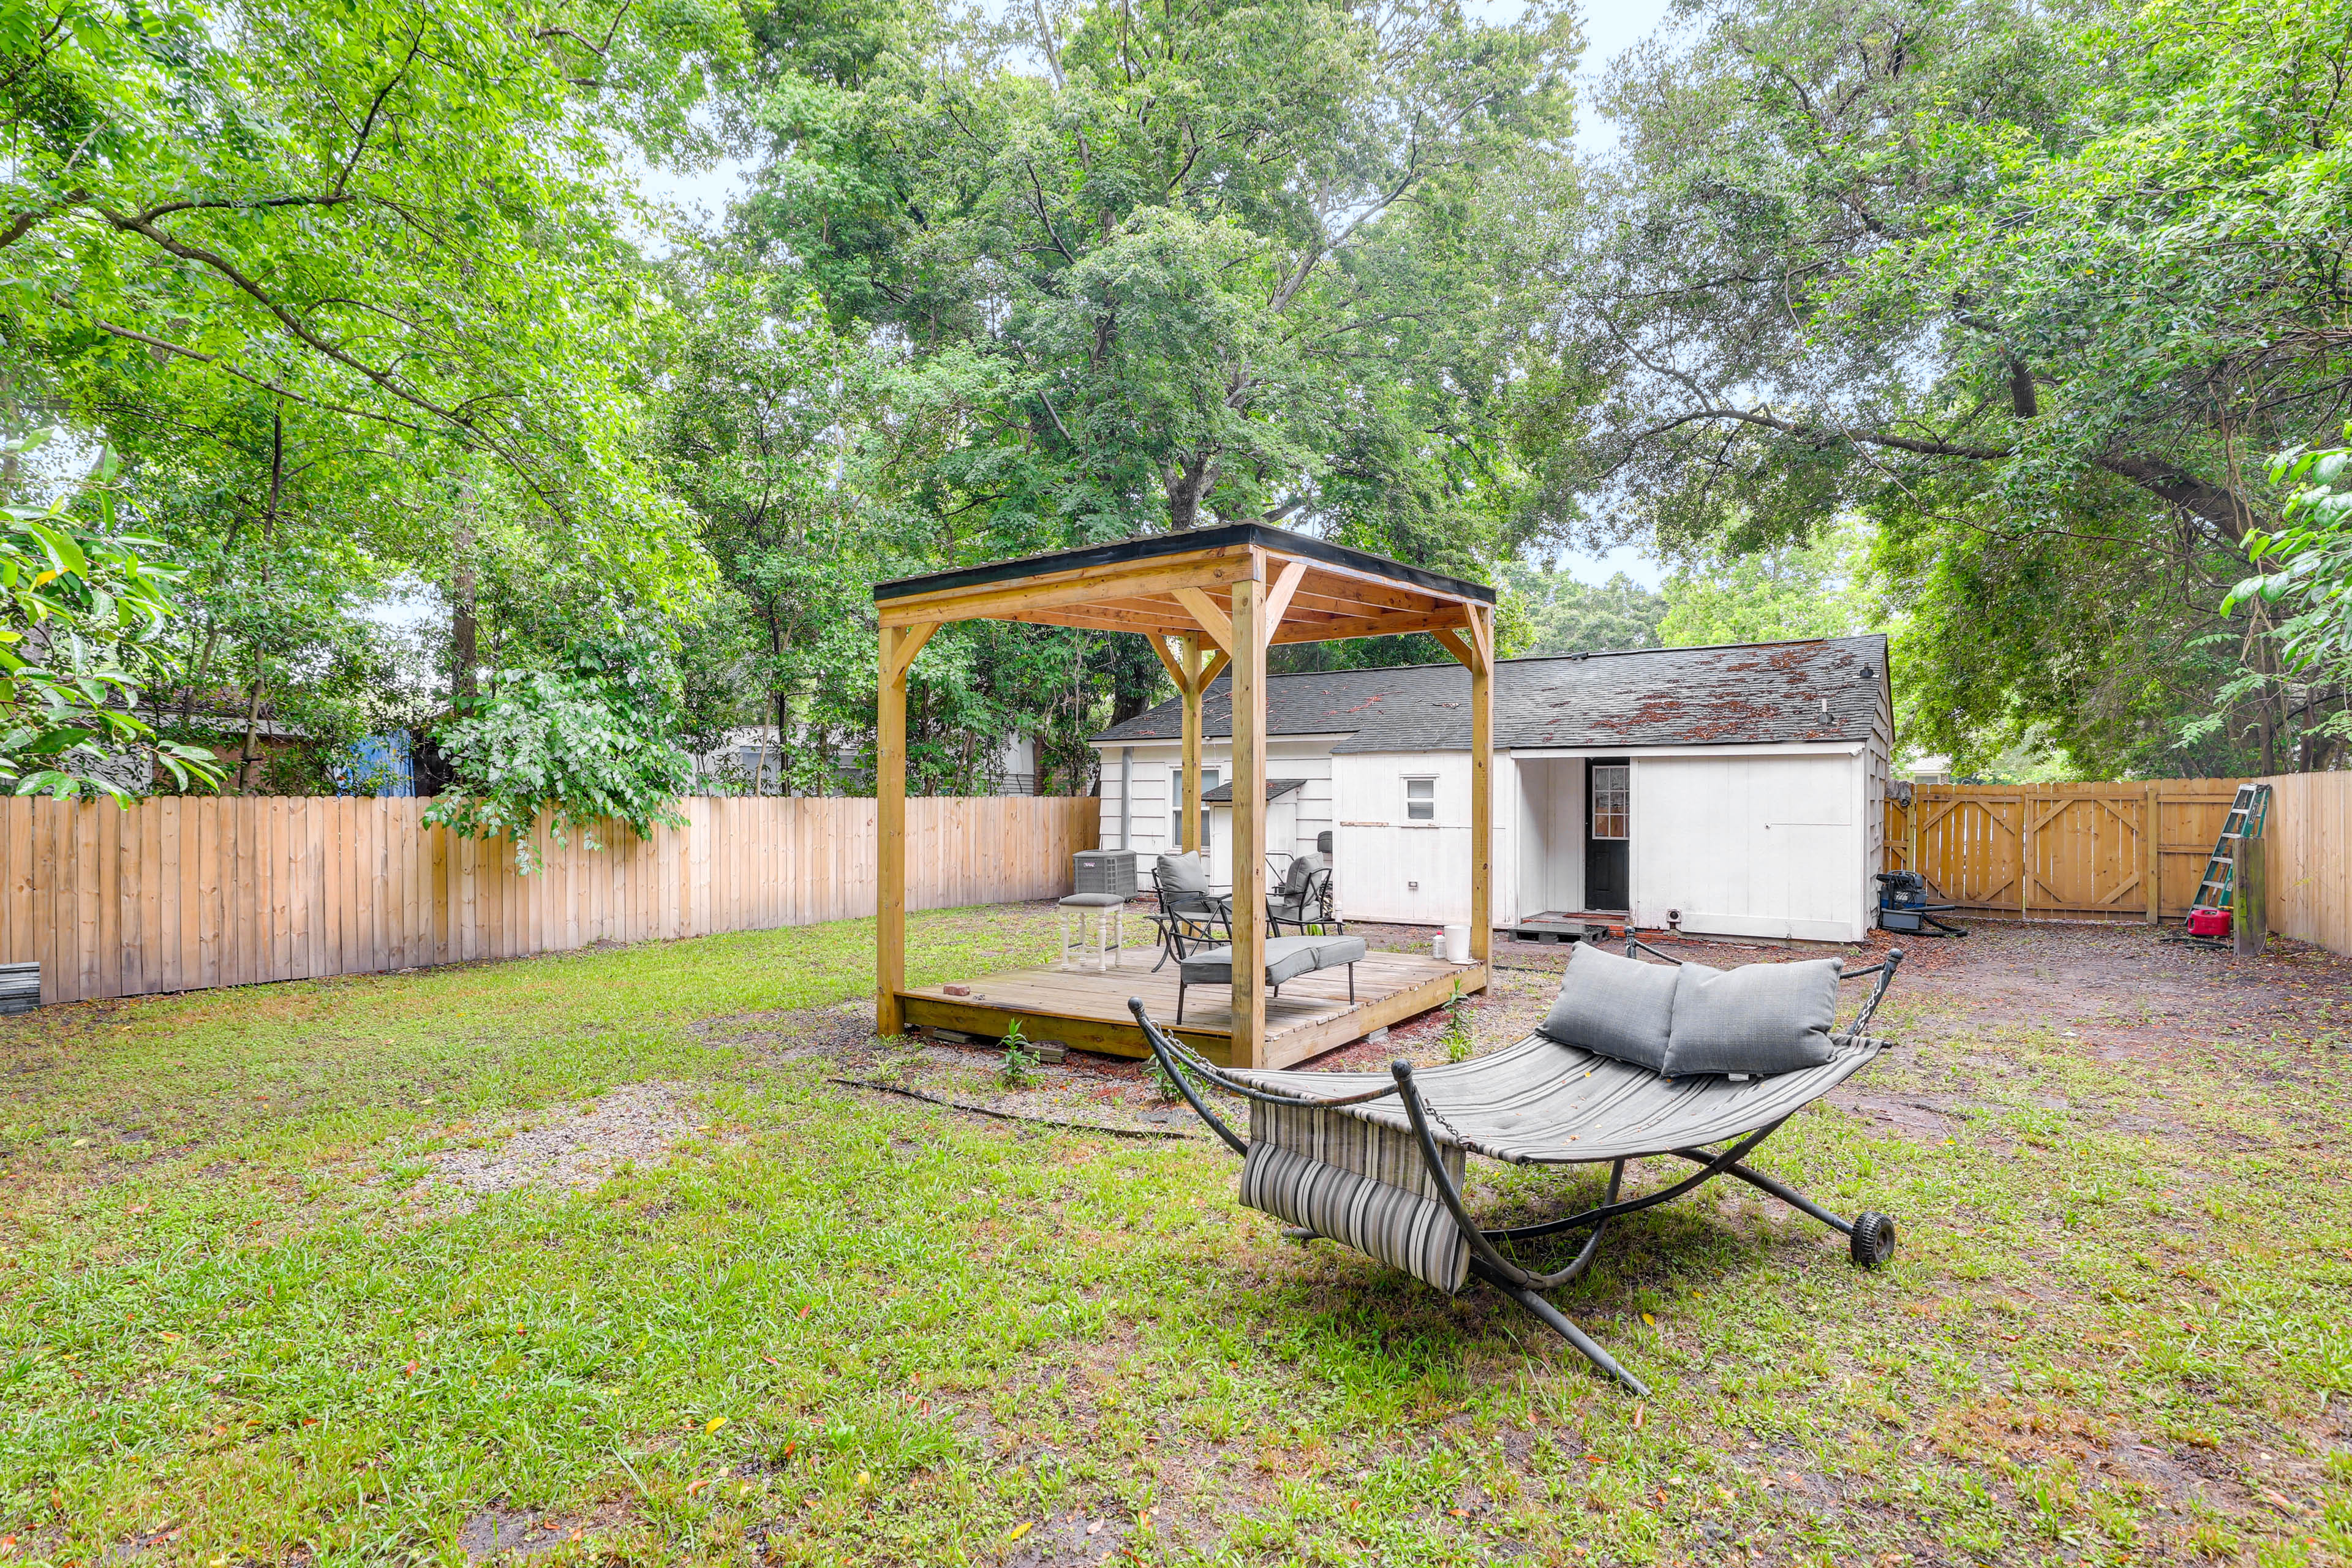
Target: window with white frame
(1210,778)
(1421,800)
(1613,800)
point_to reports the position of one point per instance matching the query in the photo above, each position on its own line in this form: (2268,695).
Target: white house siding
(1308,811)
(1879,765)
(1756,844)
(1387,866)
(1550,836)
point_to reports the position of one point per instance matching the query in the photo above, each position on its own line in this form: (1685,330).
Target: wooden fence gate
(2073,851)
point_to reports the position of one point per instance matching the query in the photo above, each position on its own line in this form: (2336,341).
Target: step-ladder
(2247,812)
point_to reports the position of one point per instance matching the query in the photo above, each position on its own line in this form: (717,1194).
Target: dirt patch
(1912,1119)
(835,1032)
(516,1533)
(562,1146)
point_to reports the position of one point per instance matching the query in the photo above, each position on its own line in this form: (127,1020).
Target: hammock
(1376,1160)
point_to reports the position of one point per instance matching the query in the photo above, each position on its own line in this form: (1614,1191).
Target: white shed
(1734,790)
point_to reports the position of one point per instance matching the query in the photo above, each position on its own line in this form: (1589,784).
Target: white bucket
(1454,945)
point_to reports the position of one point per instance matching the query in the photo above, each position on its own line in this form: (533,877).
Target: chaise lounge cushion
(1760,1018)
(1287,958)
(1613,1006)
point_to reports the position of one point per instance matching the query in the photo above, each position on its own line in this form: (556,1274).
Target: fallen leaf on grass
(1018,1530)
(713,1424)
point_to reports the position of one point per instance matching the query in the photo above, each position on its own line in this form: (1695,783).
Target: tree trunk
(465,632)
(776,649)
(204,663)
(1188,481)
(781,713)
(252,753)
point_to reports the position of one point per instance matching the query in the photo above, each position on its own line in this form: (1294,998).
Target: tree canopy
(2036,291)
(1974,322)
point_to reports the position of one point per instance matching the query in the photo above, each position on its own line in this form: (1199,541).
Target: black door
(1608,815)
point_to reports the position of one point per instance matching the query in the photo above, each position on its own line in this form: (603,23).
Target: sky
(1611,26)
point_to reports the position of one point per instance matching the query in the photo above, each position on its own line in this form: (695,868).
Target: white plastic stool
(1094,928)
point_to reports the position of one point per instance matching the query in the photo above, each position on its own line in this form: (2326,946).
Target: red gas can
(2208,923)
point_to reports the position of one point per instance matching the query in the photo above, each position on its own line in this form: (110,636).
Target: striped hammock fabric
(1355,1173)
(1358,1181)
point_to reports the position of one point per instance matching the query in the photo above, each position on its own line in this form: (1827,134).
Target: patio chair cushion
(1760,1018)
(1093,900)
(1301,898)
(1613,1006)
(1183,874)
(1287,958)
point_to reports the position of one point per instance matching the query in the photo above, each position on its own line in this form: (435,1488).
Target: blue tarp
(380,765)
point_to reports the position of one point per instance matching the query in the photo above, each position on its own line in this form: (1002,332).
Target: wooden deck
(1089,1009)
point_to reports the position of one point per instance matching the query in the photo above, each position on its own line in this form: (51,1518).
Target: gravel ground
(562,1146)
(2120,990)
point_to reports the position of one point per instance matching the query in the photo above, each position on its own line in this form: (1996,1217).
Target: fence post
(2248,895)
(2152,851)
(2024,854)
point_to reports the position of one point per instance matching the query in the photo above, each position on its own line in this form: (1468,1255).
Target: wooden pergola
(1207,601)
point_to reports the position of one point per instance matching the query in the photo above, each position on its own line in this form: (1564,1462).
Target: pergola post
(1482,784)
(1189,658)
(899,647)
(1249,636)
(1474,646)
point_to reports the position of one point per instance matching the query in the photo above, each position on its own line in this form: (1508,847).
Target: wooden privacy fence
(180,894)
(2308,858)
(2074,851)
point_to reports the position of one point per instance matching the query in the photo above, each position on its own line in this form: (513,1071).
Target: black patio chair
(1304,899)
(1191,913)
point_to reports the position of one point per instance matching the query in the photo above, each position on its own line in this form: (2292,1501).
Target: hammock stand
(1330,1153)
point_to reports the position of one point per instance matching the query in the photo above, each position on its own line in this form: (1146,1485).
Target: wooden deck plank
(1089,1009)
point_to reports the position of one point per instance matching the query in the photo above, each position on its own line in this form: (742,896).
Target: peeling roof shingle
(1825,690)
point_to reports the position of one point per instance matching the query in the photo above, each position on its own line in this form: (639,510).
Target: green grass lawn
(239,1321)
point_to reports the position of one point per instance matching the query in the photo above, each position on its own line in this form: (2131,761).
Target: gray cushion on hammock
(1613,1006)
(1760,1018)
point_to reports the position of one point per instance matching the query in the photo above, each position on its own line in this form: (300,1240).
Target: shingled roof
(1823,689)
